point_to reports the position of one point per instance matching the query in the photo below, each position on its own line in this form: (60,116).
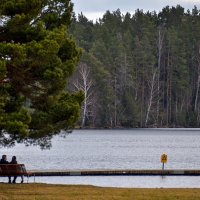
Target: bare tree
(161,34)
(152,86)
(84,83)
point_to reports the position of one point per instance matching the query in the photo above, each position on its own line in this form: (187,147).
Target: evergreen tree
(37,57)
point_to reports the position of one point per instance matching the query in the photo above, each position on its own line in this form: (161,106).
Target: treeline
(140,70)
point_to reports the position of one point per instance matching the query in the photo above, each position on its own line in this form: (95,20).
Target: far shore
(135,128)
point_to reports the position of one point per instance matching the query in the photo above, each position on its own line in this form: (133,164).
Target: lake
(116,149)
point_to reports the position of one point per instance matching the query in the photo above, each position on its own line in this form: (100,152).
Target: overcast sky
(93,9)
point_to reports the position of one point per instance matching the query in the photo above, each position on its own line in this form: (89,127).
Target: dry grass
(68,192)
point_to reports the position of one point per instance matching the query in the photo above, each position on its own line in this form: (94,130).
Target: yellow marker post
(163,160)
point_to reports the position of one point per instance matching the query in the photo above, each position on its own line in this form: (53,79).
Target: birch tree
(159,55)
(84,83)
(152,96)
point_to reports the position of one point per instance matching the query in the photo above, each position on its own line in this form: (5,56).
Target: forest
(139,70)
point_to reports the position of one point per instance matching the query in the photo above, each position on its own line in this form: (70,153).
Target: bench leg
(9,179)
(22,179)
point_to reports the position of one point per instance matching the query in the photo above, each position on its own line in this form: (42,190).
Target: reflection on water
(120,181)
(117,149)
(123,181)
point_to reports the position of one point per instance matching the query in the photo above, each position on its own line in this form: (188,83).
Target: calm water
(117,149)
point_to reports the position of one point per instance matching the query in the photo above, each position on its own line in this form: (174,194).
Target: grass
(71,192)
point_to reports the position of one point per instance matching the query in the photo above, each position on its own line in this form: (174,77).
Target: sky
(94,9)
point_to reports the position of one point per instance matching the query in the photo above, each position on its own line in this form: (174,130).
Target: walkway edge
(113,172)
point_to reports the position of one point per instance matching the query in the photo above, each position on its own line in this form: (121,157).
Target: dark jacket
(4,161)
(13,162)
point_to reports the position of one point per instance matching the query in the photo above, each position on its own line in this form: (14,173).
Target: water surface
(116,149)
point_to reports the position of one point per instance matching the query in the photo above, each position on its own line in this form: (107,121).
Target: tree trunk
(151,97)
(168,89)
(160,46)
(197,93)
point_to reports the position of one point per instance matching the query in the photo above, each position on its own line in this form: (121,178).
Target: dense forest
(140,70)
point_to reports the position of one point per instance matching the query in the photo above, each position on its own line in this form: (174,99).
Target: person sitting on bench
(14,161)
(4,161)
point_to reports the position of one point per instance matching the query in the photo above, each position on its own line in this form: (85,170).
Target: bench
(13,170)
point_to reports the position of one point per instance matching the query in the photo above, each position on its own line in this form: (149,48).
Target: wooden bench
(13,170)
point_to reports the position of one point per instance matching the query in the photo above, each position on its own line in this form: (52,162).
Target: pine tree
(37,57)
